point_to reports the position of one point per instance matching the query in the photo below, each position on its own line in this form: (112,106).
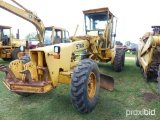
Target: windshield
(47,36)
(4,32)
(66,36)
(114,25)
(95,21)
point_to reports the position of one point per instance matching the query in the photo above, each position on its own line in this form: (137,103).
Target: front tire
(84,56)
(85,86)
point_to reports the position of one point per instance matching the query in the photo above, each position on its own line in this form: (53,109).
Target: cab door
(66,37)
(58,36)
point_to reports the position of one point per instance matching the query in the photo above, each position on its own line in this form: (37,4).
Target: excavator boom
(27,15)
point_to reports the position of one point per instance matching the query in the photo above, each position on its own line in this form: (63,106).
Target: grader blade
(106,82)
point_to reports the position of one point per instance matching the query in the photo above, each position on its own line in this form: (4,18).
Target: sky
(135,17)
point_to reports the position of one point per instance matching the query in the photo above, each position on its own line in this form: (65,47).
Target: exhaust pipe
(17,35)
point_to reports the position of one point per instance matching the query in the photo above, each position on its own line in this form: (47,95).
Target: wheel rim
(20,54)
(91,85)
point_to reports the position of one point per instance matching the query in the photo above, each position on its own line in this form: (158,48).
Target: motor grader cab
(100,27)
(148,56)
(46,35)
(55,35)
(9,46)
(60,35)
(97,19)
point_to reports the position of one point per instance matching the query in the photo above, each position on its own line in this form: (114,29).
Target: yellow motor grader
(53,64)
(148,56)
(100,28)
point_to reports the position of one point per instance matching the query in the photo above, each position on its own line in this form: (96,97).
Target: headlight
(57,49)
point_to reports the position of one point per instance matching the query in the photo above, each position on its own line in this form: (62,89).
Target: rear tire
(119,60)
(85,86)
(123,59)
(14,54)
(137,62)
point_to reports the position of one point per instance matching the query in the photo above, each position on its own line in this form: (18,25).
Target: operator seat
(5,40)
(57,40)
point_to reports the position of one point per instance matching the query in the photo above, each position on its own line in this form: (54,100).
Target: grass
(127,95)
(129,55)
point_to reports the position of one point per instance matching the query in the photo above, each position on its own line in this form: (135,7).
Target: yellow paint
(64,79)
(31,66)
(15,67)
(145,51)
(55,65)
(40,62)
(31,89)
(109,53)
(73,64)
(113,55)
(156,40)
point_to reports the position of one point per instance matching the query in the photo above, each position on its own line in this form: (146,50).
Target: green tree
(30,36)
(119,43)
(127,43)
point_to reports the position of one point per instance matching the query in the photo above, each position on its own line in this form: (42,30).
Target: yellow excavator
(46,35)
(50,65)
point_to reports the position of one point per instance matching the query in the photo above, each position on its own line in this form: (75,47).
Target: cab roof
(5,27)
(55,27)
(105,9)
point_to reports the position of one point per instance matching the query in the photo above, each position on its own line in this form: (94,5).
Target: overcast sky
(135,17)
